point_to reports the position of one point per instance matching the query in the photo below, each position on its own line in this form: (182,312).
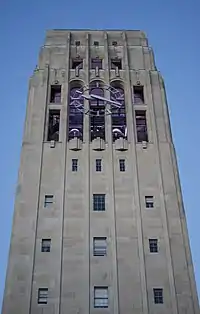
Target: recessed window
(100,297)
(114,43)
(55,96)
(99,246)
(141,126)
(42,295)
(77,42)
(98,165)
(138,95)
(77,63)
(116,63)
(74,164)
(99,202)
(149,202)
(153,245)
(54,125)
(46,245)
(48,200)
(122,165)
(96,63)
(96,43)
(158,295)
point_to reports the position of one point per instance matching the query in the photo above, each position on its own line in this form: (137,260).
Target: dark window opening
(138,95)
(158,295)
(46,245)
(99,202)
(149,201)
(99,246)
(114,43)
(98,165)
(116,63)
(55,96)
(74,164)
(122,165)
(77,42)
(77,63)
(54,125)
(76,108)
(100,297)
(48,200)
(153,245)
(96,63)
(42,295)
(96,43)
(141,126)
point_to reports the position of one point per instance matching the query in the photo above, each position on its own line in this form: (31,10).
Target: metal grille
(99,246)
(99,202)
(48,200)
(42,295)
(74,164)
(101,297)
(153,245)
(149,201)
(46,245)
(122,165)
(98,164)
(158,296)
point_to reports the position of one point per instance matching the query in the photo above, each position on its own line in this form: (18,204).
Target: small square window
(74,164)
(77,63)
(42,295)
(116,63)
(153,245)
(158,295)
(114,43)
(149,201)
(46,245)
(99,246)
(96,63)
(55,96)
(122,165)
(96,43)
(98,165)
(100,297)
(48,200)
(99,202)
(77,42)
(138,95)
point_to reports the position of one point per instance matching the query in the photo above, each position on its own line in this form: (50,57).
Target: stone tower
(99,223)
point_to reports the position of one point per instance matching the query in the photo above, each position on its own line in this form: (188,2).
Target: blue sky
(173,30)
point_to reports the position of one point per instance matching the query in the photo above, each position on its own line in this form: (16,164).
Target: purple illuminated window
(96,63)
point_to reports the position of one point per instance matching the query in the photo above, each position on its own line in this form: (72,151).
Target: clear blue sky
(173,29)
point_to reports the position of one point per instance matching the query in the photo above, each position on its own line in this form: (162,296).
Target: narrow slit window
(149,202)
(122,166)
(138,93)
(77,43)
(53,125)
(153,245)
(100,297)
(42,295)
(48,200)
(96,43)
(46,245)
(77,63)
(96,63)
(99,202)
(99,246)
(75,165)
(158,295)
(55,96)
(98,165)
(116,63)
(141,126)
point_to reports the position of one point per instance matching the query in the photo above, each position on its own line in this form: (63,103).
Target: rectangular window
(99,202)
(138,92)
(48,200)
(77,42)
(98,164)
(116,63)
(42,295)
(96,43)
(46,245)
(153,245)
(149,201)
(77,63)
(158,295)
(141,126)
(100,297)
(74,164)
(122,164)
(54,125)
(55,96)
(99,246)
(96,63)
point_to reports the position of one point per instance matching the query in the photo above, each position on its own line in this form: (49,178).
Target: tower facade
(99,223)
